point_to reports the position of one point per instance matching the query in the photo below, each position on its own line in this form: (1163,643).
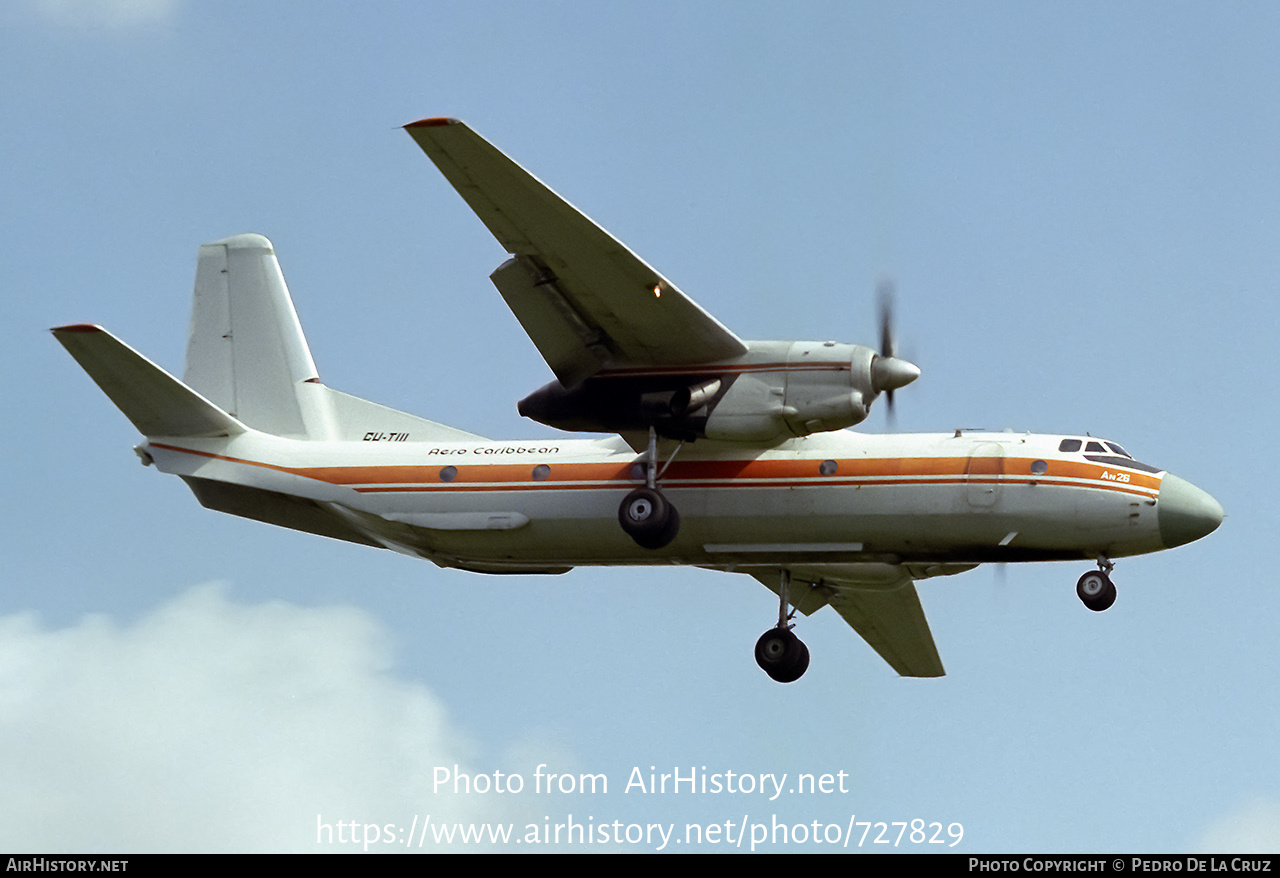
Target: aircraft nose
(1185,512)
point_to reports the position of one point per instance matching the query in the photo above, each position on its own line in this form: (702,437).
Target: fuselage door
(983,474)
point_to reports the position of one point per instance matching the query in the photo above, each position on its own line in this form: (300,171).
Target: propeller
(888,371)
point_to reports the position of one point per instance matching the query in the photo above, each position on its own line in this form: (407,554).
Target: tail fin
(246,351)
(247,354)
(248,365)
(157,403)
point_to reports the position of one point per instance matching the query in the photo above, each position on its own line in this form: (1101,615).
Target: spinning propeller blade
(889,372)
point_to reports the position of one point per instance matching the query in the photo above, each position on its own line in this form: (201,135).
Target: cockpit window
(1100,451)
(1127,462)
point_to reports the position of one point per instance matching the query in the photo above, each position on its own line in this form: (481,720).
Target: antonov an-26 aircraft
(722,453)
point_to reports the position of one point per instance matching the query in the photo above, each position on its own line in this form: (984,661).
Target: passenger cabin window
(1070,445)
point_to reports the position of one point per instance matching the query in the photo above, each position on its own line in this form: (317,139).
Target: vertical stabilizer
(246,351)
(247,356)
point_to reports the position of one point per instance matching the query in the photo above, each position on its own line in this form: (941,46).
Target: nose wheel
(1095,589)
(779,653)
(782,655)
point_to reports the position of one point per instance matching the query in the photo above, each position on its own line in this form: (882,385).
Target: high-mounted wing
(879,601)
(585,300)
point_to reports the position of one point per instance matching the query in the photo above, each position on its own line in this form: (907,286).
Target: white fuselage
(551,504)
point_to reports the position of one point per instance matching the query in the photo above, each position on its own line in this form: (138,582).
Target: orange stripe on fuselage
(757,472)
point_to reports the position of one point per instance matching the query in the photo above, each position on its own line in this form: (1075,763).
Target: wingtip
(432,122)
(76,327)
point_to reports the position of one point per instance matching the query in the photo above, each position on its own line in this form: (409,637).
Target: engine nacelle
(817,387)
(776,391)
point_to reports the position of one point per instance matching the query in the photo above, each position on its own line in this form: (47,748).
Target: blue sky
(1080,206)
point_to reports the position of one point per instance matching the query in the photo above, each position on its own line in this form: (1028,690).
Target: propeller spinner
(889,372)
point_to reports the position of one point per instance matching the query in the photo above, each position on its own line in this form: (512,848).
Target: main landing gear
(649,518)
(1095,589)
(779,653)
(645,514)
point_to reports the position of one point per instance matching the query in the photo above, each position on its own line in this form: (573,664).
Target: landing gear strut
(1095,589)
(779,653)
(645,514)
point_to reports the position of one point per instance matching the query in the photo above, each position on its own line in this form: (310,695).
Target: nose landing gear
(1095,589)
(782,655)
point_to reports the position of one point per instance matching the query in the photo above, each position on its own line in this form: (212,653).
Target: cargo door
(983,475)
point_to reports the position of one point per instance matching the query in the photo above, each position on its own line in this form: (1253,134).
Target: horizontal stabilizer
(283,510)
(157,403)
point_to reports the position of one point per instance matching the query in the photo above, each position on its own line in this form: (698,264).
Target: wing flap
(573,348)
(634,313)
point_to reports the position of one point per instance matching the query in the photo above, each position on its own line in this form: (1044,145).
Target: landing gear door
(983,475)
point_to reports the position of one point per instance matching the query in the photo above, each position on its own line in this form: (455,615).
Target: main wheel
(648,518)
(1096,591)
(782,655)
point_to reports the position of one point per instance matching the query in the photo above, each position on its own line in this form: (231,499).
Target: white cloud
(1251,828)
(121,14)
(215,726)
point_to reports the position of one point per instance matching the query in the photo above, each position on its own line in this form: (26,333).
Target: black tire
(648,518)
(668,533)
(1096,591)
(782,655)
